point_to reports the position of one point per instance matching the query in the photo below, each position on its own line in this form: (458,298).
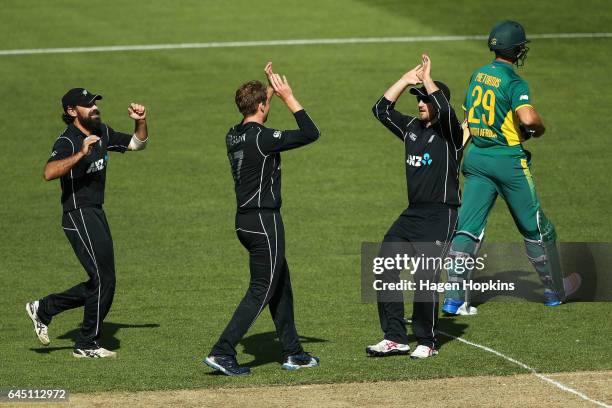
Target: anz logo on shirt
(418,161)
(97,165)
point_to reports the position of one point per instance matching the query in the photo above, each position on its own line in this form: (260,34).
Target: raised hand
(137,112)
(412,77)
(268,69)
(281,86)
(88,143)
(426,67)
(269,72)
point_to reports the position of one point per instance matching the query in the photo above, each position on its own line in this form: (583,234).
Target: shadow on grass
(527,289)
(450,326)
(266,348)
(446,323)
(47,350)
(107,340)
(579,258)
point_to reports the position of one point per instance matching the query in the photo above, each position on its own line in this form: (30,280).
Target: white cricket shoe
(387,348)
(423,352)
(40,328)
(458,307)
(97,352)
(466,310)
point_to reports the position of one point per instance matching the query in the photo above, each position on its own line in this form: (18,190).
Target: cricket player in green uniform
(500,117)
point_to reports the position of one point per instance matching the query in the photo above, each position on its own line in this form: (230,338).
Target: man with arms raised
(254,155)
(79,158)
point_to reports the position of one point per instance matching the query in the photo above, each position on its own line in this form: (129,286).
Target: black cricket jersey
(432,154)
(254,155)
(83,185)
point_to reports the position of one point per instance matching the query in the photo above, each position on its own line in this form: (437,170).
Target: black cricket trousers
(262,233)
(431,223)
(88,232)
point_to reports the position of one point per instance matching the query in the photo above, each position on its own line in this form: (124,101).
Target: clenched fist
(137,112)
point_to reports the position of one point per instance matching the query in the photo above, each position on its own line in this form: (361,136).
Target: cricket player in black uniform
(254,156)
(433,144)
(79,158)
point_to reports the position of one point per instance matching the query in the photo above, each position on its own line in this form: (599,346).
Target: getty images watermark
(500,271)
(429,281)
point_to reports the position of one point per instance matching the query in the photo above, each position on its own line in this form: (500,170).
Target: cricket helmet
(508,40)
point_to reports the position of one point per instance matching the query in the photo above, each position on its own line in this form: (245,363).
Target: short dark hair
(67,118)
(249,96)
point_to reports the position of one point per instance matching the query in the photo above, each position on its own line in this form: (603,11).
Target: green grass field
(181,270)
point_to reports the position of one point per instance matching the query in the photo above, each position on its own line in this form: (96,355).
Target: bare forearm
(58,168)
(531,120)
(396,90)
(535,130)
(537,126)
(292,104)
(430,85)
(140,129)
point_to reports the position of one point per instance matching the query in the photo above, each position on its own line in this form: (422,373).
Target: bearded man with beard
(79,158)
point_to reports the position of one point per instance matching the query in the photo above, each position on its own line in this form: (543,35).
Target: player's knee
(110,281)
(259,288)
(466,242)
(540,230)
(107,280)
(532,234)
(546,227)
(463,250)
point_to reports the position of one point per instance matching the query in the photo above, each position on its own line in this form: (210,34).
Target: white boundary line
(319,41)
(532,370)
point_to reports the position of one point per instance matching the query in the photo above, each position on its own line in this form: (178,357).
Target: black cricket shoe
(301,360)
(227,365)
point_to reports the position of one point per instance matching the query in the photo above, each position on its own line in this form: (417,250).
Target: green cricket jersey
(494,95)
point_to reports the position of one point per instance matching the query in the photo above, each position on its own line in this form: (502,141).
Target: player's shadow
(266,348)
(449,326)
(528,287)
(108,339)
(575,258)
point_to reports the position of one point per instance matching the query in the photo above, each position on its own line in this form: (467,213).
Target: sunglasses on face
(424,99)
